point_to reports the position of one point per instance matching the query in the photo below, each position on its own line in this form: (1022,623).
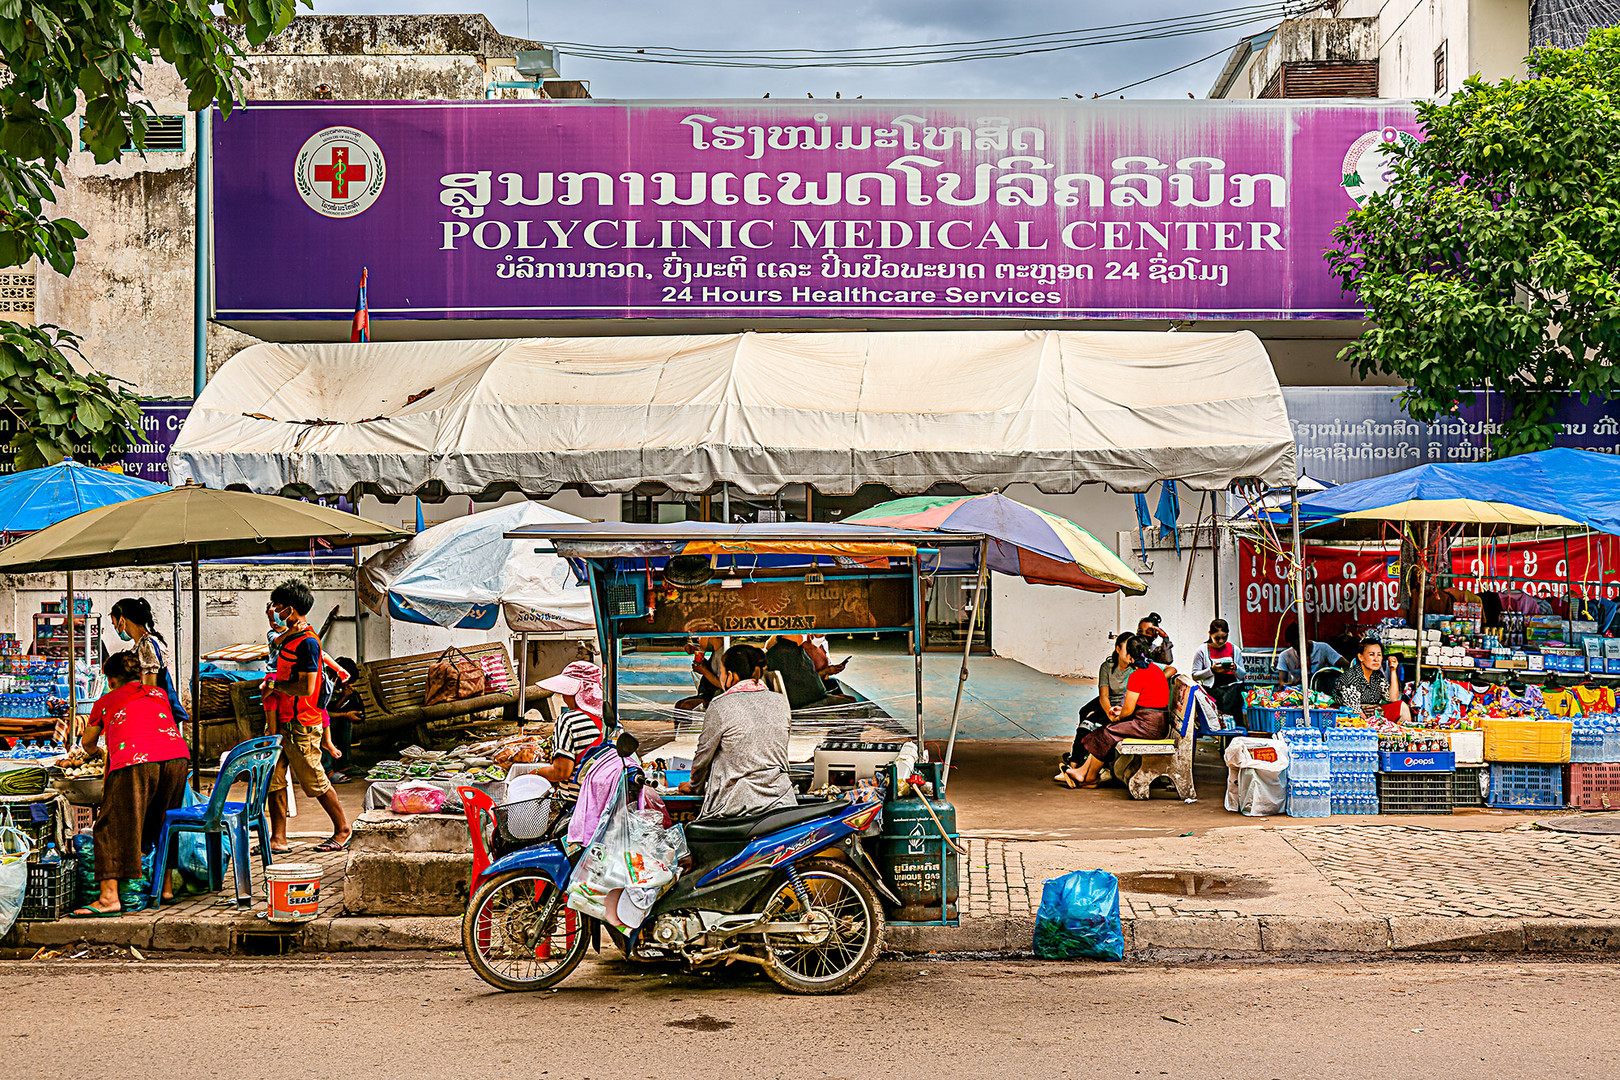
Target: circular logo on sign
(339,171)
(1368,164)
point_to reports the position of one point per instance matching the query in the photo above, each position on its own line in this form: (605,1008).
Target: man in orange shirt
(301,726)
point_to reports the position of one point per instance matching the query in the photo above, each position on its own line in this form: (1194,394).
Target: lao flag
(360,329)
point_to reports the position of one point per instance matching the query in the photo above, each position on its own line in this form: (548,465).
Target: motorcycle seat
(748,826)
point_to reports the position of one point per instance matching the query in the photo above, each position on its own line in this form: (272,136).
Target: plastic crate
(51,890)
(1271,721)
(1595,785)
(1541,742)
(1467,786)
(1526,786)
(1414,793)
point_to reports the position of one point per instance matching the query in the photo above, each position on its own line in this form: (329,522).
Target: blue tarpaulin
(33,500)
(1578,486)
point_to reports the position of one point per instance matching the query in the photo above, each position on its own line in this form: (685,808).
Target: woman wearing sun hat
(580,726)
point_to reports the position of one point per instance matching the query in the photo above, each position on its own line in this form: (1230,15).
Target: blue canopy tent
(1558,488)
(38,498)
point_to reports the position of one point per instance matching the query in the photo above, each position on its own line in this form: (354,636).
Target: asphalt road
(405,1018)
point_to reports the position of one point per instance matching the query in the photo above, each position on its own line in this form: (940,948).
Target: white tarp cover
(984,409)
(464,563)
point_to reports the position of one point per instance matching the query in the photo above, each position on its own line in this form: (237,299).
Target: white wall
(1067,632)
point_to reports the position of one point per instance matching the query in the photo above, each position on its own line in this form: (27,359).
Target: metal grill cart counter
(753,581)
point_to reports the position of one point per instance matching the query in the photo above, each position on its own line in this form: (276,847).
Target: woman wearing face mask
(132,618)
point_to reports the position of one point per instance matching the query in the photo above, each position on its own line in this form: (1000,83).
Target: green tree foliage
(55,53)
(1494,256)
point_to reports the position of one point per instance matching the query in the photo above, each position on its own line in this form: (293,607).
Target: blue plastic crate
(1525,786)
(1263,720)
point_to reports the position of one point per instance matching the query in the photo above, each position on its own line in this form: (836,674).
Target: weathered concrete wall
(1313,38)
(131,294)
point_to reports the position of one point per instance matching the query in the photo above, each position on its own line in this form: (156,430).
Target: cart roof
(620,539)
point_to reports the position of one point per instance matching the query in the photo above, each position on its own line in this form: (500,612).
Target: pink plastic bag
(417,797)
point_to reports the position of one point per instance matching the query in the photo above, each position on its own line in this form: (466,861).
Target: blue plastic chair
(255,759)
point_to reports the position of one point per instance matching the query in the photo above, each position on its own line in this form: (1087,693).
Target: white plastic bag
(14,849)
(1255,771)
(631,850)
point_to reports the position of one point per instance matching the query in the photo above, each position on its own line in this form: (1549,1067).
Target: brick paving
(221,905)
(996,881)
(1408,870)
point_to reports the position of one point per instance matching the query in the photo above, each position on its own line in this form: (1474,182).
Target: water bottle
(50,858)
(1611,741)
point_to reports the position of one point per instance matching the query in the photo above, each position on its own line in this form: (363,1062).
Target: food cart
(754,581)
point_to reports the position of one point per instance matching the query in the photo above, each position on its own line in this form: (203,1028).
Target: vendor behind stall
(146,776)
(741,765)
(1370,685)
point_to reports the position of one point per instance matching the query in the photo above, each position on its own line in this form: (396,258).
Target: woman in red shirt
(1143,713)
(146,776)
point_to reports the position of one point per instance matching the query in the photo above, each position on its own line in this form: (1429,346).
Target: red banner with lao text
(1344,588)
(1348,588)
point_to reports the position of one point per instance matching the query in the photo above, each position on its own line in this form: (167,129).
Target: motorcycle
(792,890)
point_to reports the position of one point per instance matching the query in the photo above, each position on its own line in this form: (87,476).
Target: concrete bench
(1142,761)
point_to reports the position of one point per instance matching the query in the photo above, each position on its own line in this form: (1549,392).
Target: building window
(1440,69)
(164,135)
(16,295)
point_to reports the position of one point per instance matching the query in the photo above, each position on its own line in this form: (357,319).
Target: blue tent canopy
(33,500)
(1556,487)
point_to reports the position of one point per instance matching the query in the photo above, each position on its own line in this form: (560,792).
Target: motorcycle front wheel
(519,934)
(845,935)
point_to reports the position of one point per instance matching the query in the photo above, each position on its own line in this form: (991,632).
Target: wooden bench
(392,690)
(1142,761)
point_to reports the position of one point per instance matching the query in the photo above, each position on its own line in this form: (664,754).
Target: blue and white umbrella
(462,572)
(38,498)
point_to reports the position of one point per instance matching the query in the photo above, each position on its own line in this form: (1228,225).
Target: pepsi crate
(1414,793)
(1416,761)
(1525,786)
(1468,786)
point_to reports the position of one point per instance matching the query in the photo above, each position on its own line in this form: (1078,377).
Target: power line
(1162,74)
(956,52)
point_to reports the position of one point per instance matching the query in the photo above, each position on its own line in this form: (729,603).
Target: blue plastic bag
(193,847)
(1079,918)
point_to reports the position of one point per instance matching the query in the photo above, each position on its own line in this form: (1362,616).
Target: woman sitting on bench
(1144,713)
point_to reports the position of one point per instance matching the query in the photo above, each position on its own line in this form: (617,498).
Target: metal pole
(725,502)
(359,615)
(175,648)
(200,287)
(1422,583)
(523,672)
(967,647)
(196,673)
(918,617)
(73,682)
(1299,605)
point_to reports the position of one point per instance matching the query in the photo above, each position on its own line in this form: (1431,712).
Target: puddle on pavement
(700,1023)
(1193,883)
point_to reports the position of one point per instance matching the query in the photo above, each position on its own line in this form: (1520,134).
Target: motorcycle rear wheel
(852,915)
(505,942)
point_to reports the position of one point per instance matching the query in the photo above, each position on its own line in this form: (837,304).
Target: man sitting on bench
(785,655)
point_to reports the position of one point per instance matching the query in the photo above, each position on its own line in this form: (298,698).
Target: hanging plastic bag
(632,849)
(1079,918)
(1255,770)
(192,847)
(14,849)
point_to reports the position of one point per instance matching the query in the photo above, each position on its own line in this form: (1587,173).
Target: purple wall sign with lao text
(813,209)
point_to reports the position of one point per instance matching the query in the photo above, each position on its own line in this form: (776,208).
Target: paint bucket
(295,891)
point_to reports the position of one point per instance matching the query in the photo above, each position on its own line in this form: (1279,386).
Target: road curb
(1269,937)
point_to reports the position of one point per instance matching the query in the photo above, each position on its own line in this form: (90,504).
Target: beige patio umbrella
(189,524)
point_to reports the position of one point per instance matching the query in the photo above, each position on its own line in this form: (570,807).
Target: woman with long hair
(132,618)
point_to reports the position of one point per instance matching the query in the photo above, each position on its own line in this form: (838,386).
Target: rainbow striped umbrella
(1041,548)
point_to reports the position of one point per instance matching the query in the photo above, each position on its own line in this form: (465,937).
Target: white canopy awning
(983,409)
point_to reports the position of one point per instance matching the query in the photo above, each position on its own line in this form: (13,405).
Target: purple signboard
(148,459)
(541,210)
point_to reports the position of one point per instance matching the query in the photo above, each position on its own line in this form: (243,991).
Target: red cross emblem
(339,173)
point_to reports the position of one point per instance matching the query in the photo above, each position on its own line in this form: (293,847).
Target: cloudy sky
(844,24)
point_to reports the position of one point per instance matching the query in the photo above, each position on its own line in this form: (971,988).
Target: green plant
(1494,256)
